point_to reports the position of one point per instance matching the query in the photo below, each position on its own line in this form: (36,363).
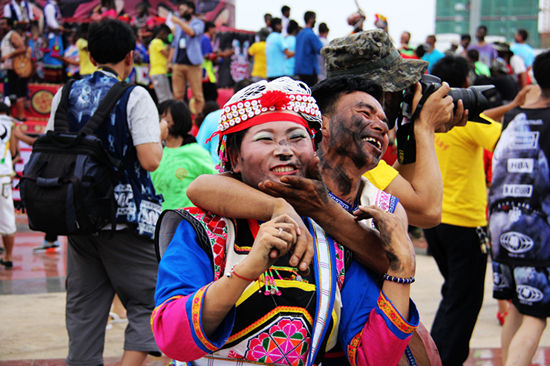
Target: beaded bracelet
(233,272)
(403,281)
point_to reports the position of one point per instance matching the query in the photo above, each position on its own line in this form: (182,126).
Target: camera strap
(425,95)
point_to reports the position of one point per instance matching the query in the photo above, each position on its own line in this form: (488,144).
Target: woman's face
(272,150)
(167,116)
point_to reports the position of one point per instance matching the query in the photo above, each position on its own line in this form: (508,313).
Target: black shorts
(17,86)
(527,287)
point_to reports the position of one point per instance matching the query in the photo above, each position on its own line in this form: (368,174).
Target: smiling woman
(230,290)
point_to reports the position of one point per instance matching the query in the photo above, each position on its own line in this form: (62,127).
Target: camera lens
(476,99)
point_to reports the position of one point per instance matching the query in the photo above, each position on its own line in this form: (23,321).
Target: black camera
(476,99)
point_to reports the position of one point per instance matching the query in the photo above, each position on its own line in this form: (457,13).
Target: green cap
(371,54)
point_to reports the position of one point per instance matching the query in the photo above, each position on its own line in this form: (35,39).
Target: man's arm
(497,113)
(229,197)
(419,186)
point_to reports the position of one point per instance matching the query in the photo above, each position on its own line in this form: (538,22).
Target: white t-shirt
(517,64)
(6,128)
(142,115)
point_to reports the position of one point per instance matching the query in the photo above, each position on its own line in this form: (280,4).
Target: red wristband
(239,276)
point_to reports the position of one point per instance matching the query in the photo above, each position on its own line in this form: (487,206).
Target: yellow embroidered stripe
(254,286)
(352,347)
(267,317)
(155,310)
(394,315)
(196,317)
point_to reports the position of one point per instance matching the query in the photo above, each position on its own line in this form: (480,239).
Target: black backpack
(67,184)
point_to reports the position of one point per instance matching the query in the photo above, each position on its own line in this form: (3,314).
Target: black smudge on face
(345,139)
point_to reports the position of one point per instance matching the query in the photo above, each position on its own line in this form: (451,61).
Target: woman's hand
(396,241)
(302,253)
(274,239)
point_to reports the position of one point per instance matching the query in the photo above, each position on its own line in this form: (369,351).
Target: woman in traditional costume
(228,291)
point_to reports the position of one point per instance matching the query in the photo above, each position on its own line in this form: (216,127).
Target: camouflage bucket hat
(371,54)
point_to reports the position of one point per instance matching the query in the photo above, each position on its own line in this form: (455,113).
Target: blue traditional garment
(296,328)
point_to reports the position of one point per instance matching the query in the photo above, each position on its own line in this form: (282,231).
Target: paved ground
(32,330)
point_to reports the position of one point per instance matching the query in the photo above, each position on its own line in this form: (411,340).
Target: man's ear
(325,127)
(129,58)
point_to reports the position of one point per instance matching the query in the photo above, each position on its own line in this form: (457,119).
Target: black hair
(541,70)
(110,40)
(242,84)
(4,109)
(420,51)
(292,26)
(473,55)
(465,36)
(523,34)
(208,25)
(274,21)
(163,106)
(162,28)
(483,27)
(180,115)
(285,8)
(309,15)
(190,4)
(323,28)
(328,91)
(263,33)
(209,107)
(432,36)
(452,69)
(232,145)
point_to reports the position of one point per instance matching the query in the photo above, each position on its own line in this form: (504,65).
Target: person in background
(285,18)
(37,44)
(159,51)
(211,58)
(122,260)
(459,243)
(182,158)
(12,45)
(52,17)
(267,21)
(308,47)
(465,40)
(19,11)
(405,50)
(8,149)
(517,220)
(290,41)
(71,57)
(276,51)
(186,58)
(515,63)
(522,49)
(210,124)
(432,55)
(86,66)
(478,67)
(323,37)
(257,51)
(487,52)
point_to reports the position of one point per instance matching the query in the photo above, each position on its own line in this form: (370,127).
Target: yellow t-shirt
(158,62)
(382,175)
(460,155)
(86,66)
(257,50)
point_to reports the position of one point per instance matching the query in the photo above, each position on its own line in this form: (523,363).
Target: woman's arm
(195,313)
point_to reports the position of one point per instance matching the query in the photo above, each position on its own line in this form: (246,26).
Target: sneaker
(47,247)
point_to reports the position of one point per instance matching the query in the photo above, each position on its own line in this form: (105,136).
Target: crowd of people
(298,251)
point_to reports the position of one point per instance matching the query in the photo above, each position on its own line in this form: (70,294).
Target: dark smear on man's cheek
(346,140)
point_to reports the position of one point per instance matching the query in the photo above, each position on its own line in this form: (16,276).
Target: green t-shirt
(178,168)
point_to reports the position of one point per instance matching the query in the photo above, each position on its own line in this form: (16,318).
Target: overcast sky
(416,16)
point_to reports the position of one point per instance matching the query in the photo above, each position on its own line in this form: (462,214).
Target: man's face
(405,38)
(278,27)
(480,34)
(185,11)
(358,129)
(272,150)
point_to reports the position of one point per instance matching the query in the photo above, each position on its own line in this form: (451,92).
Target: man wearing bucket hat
(372,55)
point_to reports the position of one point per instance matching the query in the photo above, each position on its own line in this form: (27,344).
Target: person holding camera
(459,243)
